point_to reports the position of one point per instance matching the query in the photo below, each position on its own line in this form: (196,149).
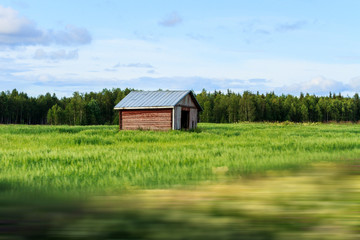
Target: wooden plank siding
(120,120)
(153,119)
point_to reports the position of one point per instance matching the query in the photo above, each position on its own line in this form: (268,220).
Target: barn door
(185,114)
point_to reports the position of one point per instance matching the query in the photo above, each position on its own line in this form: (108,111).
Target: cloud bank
(16,30)
(319,86)
(64,86)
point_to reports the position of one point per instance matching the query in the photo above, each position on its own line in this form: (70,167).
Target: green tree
(356,108)
(304,113)
(247,107)
(233,109)
(93,113)
(325,106)
(75,109)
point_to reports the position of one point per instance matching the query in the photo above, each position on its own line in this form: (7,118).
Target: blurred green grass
(319,202)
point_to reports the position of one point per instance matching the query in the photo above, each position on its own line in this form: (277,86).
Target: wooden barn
(158,110)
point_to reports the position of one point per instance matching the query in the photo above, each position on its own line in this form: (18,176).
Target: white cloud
(286,27)
(71,35)
(319,85)
(196,36)
(355,83)
(40,54)
(171,20)
(16,30)
(10,22)
(45,78)
(134,65)
(268,26)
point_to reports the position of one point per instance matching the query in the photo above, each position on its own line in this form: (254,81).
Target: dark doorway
(185,119)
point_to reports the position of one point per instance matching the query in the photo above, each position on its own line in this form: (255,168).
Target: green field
(100,158)
(223,181)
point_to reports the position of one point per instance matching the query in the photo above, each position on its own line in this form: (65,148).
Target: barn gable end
(158,110)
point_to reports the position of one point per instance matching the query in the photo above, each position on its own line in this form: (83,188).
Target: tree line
(230,107)
(218,107)
(79,109)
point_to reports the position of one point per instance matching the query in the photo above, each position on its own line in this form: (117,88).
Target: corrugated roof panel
(151,99)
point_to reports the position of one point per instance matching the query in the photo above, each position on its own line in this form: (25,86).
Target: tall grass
(102,159)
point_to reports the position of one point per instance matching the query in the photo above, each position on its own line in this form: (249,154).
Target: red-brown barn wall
(153,119)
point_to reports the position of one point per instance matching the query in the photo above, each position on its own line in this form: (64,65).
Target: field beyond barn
(100,158)
(247,181)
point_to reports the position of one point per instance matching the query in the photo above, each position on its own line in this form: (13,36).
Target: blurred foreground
(318,203)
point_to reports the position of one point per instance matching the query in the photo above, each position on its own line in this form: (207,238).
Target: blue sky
(276,45)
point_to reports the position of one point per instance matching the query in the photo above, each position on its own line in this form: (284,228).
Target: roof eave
(133,108)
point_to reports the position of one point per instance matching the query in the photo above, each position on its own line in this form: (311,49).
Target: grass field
(100,158)
(223,181)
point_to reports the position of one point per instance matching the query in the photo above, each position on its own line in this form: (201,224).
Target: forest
(96,108)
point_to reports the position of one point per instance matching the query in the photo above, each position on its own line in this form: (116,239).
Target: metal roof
(147,99)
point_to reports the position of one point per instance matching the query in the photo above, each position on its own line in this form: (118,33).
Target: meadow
(222,181)
(97,159)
